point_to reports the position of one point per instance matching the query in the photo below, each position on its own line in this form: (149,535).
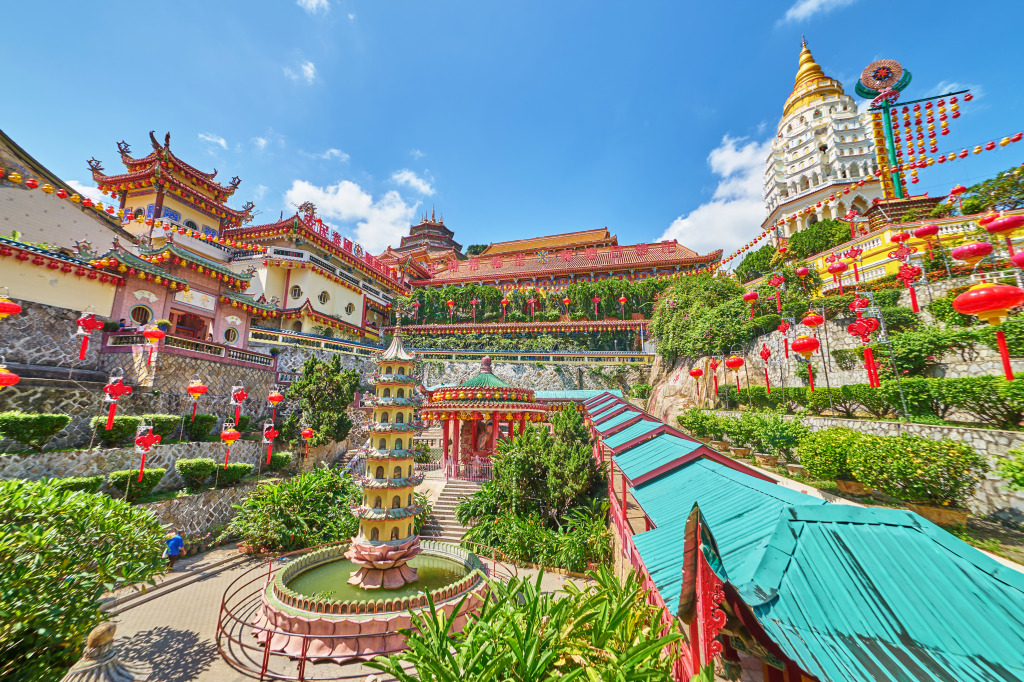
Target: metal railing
(121,342)
(477,472)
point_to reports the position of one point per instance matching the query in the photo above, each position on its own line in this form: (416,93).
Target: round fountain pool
(330,580)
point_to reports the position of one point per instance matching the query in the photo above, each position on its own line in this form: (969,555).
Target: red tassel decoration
(767,383)
(85,346)
(1005,354)
(913,299)
(810,376)
(110,415)
(785,347)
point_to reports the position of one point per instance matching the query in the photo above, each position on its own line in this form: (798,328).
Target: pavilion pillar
(472,439)
(495,427)
(454,463)
(445,430)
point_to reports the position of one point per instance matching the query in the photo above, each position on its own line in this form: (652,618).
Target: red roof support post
(446,455)
(625,490)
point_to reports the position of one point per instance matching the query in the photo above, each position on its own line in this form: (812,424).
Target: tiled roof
(650,455)
(488,268)
(517,327)
(554,241)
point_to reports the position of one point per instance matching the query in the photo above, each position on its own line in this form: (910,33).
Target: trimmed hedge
(85,484)
(279,460)
(826,453)
(702,424)
(128,485)
(195,471)
(32,430)
(243,423)
(164,425)
(234,473)
(917,469)
(122,433)
(199,428)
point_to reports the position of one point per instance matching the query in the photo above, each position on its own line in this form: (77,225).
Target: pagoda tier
(386,515)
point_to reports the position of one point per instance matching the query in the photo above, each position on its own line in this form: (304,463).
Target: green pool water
(331,580)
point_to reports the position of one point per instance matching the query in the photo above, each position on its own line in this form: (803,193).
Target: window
(382,444)
(295,292)
(324,297)
(398,472)
(380,472)
(387,370)
(396,502)
(139,213)
(191,225)
(401,370)
(410,473)
(349,309)
(400,418)
(398,444)
(374,534)
(387,392)
(141,314)
(230,335)
(297,326)
(409,529)
(378,503)
(383,417)
(410,499)
(394,533)
(400,393)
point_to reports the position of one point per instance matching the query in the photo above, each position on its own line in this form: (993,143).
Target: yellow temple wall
(384,528)
(40,284)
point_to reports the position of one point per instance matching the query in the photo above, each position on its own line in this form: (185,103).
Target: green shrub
(875,401)
(33,430)
(737,431)
(918,469)
(758,396)
(122,433)
(128,486)
(61,551)
(700,423)
(772,433)
(195,471)
(641,391)
(798,395)
(826,454)
(1012,469)
(234,473)
(729,397)
(991,400)
(837,398)
(942,310)
(85,484)
(279,460)
(924,397)
(243,423)
(900,319)
(164,425)
(199,428)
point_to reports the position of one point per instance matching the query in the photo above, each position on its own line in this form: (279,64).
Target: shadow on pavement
(174,655)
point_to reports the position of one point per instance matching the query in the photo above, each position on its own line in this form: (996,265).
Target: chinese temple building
(319,280)
(472,414)
(556,261)
(386,540)
(822,145)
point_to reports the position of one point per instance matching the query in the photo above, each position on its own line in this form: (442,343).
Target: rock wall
(44,335)
(992,495)
(196,514)
(103,461)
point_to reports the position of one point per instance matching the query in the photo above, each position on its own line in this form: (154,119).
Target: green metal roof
(627,434)
(857,594)
(598,411)
(652,454)
(485,379)
(616,420)
(741,511)
(572,395)
(603,398)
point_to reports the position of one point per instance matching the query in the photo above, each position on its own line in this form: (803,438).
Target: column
(472,439)
(624,493)
(495,427)
(522,422)
(445,455)
(453,463)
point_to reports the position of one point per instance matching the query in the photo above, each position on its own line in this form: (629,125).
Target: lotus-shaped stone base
(383,565)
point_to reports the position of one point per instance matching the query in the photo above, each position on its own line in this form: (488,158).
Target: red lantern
(274,398)
(750,297)
(153,337)
(972,253)
(269,434)
(7,377)
(308,434)
(991,303)
(595,300)
(1007,224)
(805,346)
(697,373)
(62,194)
(229,435)
(837,269)
(86,325)
(733,363)
(143,442)
(812,320)
(8,307)
(927,234)
(195,389)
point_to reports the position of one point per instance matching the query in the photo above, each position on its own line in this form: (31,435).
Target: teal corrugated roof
(572,395)
(600,400)
(741,512)
(615,421)
(642,427)
(652,454)
(880,594)
(596,412)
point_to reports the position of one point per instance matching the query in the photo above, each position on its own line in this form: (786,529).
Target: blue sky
(513,119)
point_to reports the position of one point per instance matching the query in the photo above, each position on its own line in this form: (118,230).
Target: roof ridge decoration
(810,79)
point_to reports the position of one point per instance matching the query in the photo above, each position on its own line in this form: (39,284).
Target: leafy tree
(475,249)
(607,631)
(756,263)
(60,551)
(701,315)
(324,392)
(1004,192)
(820,236)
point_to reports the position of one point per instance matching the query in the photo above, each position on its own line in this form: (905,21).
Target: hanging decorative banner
(114,390)
(765,354)
(144,440)
(862,328)
(238,396)
(782,329)
(714,372)
(87,324)
(269,434)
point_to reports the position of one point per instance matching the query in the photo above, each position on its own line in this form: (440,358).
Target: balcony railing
(122,342)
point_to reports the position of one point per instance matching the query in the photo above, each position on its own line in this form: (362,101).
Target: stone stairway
(442,524)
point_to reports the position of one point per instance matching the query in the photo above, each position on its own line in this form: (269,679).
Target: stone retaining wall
(104,461)
(196,514)
(991,496)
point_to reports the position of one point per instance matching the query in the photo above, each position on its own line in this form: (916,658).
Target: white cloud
(261,142)
(351,17)
(88,191)
(307,71)
(258,193)
(736,209)
(214,139)
(332,154)
(313,6)
(805,9)
(944,87)
(410,179)
(378,223)
(416,154)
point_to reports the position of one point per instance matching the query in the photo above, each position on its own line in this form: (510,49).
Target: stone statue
(99,662)
(483,437)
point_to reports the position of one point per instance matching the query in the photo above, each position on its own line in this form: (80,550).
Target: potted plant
(825,455)
(935,478)
(163,325)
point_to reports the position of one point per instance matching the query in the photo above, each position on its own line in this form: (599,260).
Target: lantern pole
(825,358)
(883,336)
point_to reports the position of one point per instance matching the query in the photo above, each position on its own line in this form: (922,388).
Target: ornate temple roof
(555,241)
(483,393)
(811,82)
(396,351)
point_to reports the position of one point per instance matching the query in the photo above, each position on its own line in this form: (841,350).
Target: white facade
(822,146)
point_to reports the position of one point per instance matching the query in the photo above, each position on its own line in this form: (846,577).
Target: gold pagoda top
(811,82)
